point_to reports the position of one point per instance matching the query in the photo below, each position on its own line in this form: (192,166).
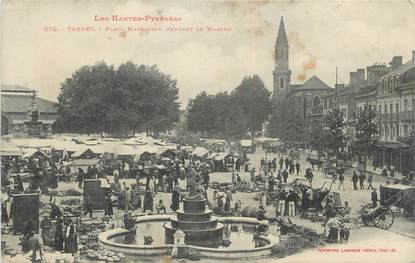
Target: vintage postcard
(210,131)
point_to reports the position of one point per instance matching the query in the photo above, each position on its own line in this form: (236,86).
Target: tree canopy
(366,131)
(231,115)
(101,98)
(254,100)
(336,138)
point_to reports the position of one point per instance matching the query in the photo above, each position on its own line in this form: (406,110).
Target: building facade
(391,91)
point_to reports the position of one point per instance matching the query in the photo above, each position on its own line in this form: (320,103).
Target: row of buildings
(389,88)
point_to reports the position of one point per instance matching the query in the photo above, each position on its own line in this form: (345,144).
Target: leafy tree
(254,100)
(366,132)
(200,113)
(317,138)
(336,139)
(100,98)
(287,126)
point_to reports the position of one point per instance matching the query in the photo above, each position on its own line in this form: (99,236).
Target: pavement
(374,245)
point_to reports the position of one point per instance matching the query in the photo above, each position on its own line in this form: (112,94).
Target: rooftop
(18,104)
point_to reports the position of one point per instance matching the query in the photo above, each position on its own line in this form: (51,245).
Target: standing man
(127,199)
(274,164)
(297,167)
(281,202)
(369,181)
(281,162)
(355,178)
(88,206)
(287,163)
(252,174)
(374,198)
(285,175)
(362,178)
(341,181)
(292,200)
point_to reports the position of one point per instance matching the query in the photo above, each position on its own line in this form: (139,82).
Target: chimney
(353,78)
(396,62)
(360,75)
(413,56)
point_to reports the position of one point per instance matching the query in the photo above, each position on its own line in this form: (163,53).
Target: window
(405,130)
(397,107)
(405,105)
(282,83)
(380,109)
(397,130)
(391,108)
(386,109)
(316,101)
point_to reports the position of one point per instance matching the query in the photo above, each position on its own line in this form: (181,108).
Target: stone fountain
(197,222)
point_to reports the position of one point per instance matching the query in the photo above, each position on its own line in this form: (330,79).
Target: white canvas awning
(246,143)
(200,151)
(10,149)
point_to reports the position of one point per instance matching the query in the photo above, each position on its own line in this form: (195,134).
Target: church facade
(304,99)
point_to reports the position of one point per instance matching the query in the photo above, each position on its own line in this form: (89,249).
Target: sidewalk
(378,171)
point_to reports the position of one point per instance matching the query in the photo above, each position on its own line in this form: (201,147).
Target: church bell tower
(281,73)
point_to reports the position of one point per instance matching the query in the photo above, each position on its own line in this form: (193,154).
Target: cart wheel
(385,220)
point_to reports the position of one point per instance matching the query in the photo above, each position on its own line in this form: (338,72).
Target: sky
(322,35)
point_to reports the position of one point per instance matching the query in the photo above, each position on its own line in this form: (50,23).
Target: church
(303,100)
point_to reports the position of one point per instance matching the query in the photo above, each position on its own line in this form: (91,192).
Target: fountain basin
(108,240)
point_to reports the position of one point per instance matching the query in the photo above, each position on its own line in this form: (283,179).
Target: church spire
(282,72)
(282,36)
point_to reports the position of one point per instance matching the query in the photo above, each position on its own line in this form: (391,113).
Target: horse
(313,162)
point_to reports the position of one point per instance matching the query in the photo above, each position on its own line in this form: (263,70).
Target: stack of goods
(89,226)
(105,255)
(71,202)
(89,242)
(244,186)
(313,214)
(71,192)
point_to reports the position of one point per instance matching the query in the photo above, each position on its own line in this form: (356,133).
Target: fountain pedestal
(198,224)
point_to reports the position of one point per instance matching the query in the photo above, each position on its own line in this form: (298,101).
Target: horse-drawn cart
(399,196)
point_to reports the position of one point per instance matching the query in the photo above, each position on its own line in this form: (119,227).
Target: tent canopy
(10,149)
(82,152)
(31,152)
(200,151)
(221,156)
(246,143)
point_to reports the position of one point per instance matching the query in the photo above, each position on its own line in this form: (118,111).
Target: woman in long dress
(46,227)
(58,241)
(148,200)
(4,201)
(175,200)
(71,240)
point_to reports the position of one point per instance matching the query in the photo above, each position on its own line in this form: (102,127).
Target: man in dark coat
(297,167)
(148,200)
(274,164)
(175,200)
(58,241)
(285,175)
(362,178)
(374,198)
(281,162)
(287,163)
(355,178)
